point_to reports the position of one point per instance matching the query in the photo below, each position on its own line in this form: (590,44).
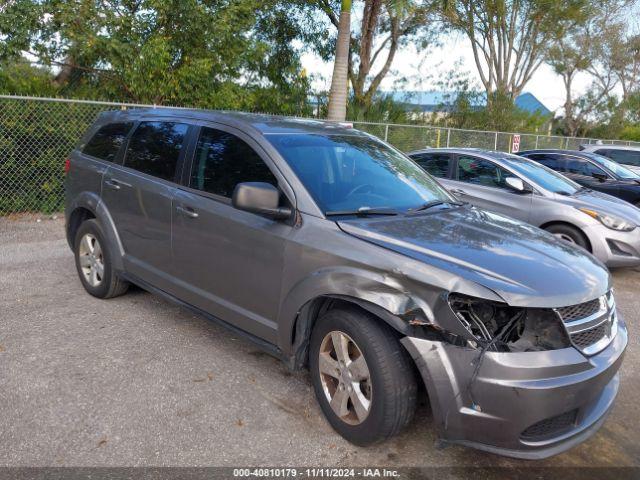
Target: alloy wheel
(91,260)
(345,377)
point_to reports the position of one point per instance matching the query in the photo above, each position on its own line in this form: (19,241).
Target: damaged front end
(512,380)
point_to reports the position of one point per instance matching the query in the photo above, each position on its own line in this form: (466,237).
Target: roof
(602,146)
(479,151)
(434,101)
(265,124)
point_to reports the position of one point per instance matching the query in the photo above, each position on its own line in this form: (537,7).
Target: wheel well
(567,224)
(314,309)
(77,217)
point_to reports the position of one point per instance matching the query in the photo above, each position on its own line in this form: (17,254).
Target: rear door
(481,182)
(138,195)
(229,262)
(103,148)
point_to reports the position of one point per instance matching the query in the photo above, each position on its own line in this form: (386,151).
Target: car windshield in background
(543,176)
(350,173)
(613,167)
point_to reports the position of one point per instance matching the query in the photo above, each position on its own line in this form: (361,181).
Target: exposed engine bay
(500,327)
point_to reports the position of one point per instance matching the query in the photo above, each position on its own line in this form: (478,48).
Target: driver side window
(478,171)
(223,160)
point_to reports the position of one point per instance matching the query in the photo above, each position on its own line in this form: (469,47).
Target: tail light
(67,165)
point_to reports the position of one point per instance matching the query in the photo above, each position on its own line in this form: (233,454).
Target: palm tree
(340,79)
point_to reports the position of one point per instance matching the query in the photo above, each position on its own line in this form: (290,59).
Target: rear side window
(482,172)
(155,147)
(106,142)
(437,164)
(550,161)
(223,160)
(583,167)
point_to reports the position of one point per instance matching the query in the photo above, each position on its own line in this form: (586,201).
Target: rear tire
(569,234)
(373,391)
(93,262)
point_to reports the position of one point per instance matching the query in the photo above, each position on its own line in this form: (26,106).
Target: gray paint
(260,276)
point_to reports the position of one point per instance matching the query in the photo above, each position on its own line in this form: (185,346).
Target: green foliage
(21,78)
(630,132)
(228,54)
(35,138)
(466,106)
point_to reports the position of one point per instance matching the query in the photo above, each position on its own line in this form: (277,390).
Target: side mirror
(516,183)
(261,198)
(600,176)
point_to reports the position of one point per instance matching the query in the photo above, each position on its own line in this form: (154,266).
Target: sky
(423,69)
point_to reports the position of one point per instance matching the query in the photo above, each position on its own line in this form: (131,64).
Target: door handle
(112,184)
(457,191)
(187,211)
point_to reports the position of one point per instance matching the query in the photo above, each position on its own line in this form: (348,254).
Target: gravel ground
(137,381)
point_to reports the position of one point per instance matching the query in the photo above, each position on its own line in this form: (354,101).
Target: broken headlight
(499,327)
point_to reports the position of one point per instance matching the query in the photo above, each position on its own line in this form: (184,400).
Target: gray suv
(335,252)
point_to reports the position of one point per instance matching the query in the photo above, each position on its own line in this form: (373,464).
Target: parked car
(592,171)
(525,190)
(622,154)
(333,251)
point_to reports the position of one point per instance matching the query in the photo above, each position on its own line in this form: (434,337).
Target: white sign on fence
(515,144)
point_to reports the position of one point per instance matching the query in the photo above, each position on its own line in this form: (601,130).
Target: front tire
(93,262)
(363,378)
(569,234)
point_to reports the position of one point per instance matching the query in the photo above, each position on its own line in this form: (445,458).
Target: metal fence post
(448,137)
(537,139)
(386,133)
(495,142)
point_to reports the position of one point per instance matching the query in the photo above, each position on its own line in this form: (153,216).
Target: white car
(623,154)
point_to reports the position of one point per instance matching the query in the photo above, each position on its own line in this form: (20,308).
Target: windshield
(347,172)
(543,176)
(615,168)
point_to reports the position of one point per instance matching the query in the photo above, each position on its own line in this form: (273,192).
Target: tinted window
(437,164)
(543,176)
(582,167)
(349,172)
(107,141)
(613,167)
(223,160)
(550,161)
(155,147)
(481,172)
(626,157)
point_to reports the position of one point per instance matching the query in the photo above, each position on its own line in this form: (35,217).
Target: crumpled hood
(603,203)
(521,263)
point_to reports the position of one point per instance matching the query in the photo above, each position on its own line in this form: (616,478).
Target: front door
(482,183)
(138,196)
(228,262)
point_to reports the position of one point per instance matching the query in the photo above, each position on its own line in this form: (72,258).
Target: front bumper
(518,400)
(614,248)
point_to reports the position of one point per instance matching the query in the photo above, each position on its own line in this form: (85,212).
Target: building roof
(435,101)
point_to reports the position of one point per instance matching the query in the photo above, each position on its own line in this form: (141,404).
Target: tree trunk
(340,79)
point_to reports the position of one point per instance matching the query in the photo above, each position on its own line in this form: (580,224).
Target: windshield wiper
(434,203)
(362,212)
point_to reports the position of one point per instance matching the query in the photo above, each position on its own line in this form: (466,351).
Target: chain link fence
(37,134)
(415,137)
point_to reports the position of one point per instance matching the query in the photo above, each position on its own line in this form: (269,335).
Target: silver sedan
(525,190)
